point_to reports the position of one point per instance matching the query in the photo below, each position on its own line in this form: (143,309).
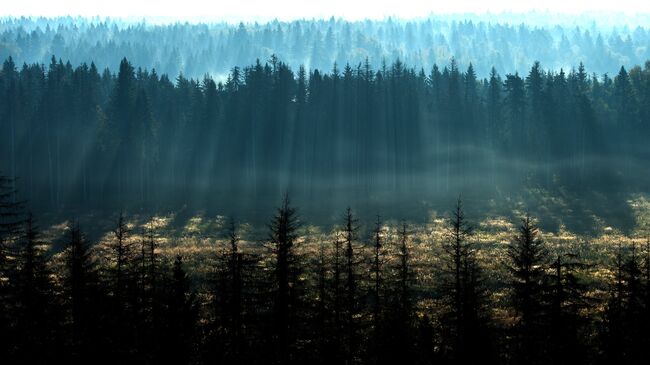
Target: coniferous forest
(77,137)
(436,191)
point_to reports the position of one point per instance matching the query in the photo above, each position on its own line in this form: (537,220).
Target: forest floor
(198,237)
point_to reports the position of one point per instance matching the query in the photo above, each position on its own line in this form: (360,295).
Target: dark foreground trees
(344,297)
(624,335)
(82,297)
(467,338)
(528,257)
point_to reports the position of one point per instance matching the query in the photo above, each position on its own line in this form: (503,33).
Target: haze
(260,10)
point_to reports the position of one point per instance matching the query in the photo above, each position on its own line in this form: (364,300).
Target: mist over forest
(509,43)
(384,137)
(453,189)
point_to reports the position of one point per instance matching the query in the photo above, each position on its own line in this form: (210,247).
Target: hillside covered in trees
(176,193)
(76,137)
(508,43)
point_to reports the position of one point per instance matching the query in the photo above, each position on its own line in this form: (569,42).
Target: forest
(507,42)
(446,190)
(381,294)
(76,137)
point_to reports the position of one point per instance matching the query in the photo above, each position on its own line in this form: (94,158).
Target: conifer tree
(37,313)
(230,297)
(83,297)
(528,258)
(123,290)
(463,293)
(283,235)
(178,341)
(400,341)
(11,226)
(350,286)
(567,300)
(121,259)
(377,272)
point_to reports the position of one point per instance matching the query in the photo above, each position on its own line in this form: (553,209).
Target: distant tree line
(80,137)
(510,44)
(299,297)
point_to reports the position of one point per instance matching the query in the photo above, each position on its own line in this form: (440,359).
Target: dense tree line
(81,137)
(509,43)
(300,297)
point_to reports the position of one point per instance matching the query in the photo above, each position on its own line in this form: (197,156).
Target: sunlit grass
(201,233)
(200,238)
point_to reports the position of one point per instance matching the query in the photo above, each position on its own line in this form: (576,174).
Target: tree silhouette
(37,311)
(378,306)
(623,333)
(11,227)
(123,286)
(399,328)
(232,297)
(83,296)
(528,259)
(568,301)
(350,286)
(463,293)
(179,340)
(283,235)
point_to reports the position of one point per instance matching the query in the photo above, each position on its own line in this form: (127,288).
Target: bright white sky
(292,9)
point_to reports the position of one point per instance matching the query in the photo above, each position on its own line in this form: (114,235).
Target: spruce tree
(123,290)
(567,301)
(464,318)
(11,227)
(181,311)
(83,297)
(399,341)
(528,258)
(283,235)
(350,285)
(37,311)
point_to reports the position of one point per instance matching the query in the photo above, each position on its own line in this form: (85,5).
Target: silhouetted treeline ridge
(357,293)
(77,136)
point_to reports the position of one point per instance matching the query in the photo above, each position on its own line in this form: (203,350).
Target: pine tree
(283,236)
(322,329)
(646,302)
(83,296)
(400,340)
(121,258)
(123,290)
(229,302)
(567,300)
(122,126)
(377,273)
(515,108)
(11,227)
(456,249)
(494,118)
(626,311)
(462,291)
(37,312)
(338,298)
(404,273)
(350,286)
(181,311)
(528,259)
(236,287)
(147,302)
(612,331)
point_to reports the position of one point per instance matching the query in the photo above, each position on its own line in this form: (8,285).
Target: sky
(236,10)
